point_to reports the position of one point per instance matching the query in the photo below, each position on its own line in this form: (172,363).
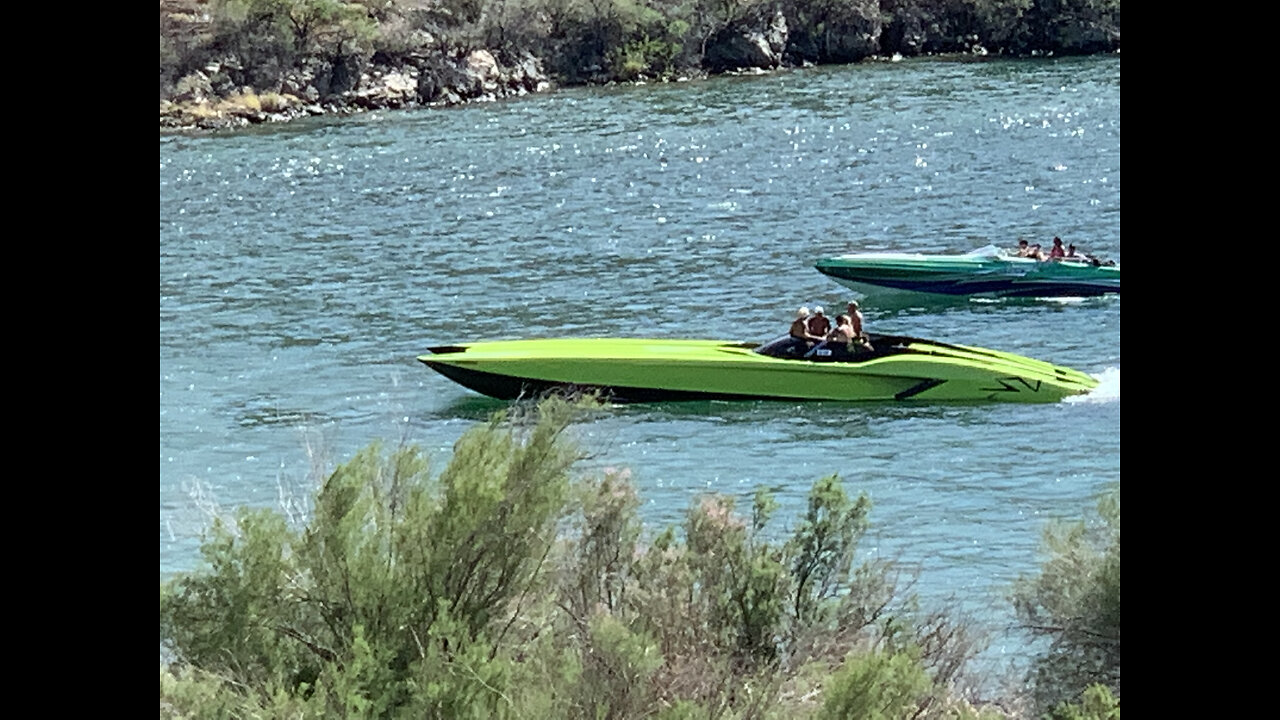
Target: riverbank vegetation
(504,586)
(348,55)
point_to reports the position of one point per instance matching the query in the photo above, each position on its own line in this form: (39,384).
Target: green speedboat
(639,370)
(987,271)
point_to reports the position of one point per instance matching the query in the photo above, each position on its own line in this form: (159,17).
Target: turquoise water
(304,267)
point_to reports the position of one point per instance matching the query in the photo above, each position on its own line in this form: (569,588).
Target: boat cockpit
(787,347)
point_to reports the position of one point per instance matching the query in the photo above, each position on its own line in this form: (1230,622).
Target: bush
(877,686)
(468,595)
(1074,605)
(398,592)
(1096,703)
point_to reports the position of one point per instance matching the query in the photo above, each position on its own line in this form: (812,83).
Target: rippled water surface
(304,267)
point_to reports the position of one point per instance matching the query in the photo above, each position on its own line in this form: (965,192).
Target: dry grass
(275,102)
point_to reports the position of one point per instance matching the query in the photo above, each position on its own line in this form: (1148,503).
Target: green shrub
(497,589)
(1074,604)
(619,664)
(399,591)
(822,550)
(877,686)
(1096,703)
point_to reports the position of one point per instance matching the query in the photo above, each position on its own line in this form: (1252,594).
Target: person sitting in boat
(1030,251)
(1072,254)
(1057,252)
(856,334)
(1086,257)
(800,330)
(836,344)
(818,324)
(842,335)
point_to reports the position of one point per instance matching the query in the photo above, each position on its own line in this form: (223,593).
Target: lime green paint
(725,367)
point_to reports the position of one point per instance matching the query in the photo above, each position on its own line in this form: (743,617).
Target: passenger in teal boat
(1056,252)
(1086,257)
(1030,251)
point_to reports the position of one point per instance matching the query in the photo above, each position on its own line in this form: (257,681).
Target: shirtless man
(800,328)
(855,326)
(819,324)
(843,331)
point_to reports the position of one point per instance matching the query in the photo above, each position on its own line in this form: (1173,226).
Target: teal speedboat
(988,271)
(641,370)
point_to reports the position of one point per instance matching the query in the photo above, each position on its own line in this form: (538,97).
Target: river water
(304,267)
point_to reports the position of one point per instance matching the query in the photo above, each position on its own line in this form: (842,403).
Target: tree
(1074,605)
(268,38)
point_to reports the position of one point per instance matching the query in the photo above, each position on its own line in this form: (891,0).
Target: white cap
(802,312)
(817,310)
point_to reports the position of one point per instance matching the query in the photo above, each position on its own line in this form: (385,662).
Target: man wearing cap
(819,325)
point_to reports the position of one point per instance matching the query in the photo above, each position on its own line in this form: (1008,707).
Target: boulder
(192,88)
(845,33)
(747,44)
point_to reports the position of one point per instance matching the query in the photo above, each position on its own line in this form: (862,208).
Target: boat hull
(639,370)
(985,275)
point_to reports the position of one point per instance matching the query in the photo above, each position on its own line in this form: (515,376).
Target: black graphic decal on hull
(1008,385)
(917,389)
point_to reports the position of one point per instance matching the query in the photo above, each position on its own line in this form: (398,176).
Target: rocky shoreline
(479,78)
(210,98)
(199,104)
(207,99)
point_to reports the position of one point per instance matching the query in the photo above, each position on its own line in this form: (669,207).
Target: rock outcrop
(848,33)
(748,44)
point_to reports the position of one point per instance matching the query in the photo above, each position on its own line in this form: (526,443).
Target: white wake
(1108,388)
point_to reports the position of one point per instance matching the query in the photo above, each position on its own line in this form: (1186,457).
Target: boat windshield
(789,348)
(988,251)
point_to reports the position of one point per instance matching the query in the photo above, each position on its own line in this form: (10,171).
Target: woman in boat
(1056,252)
